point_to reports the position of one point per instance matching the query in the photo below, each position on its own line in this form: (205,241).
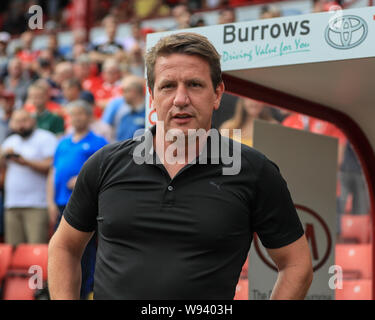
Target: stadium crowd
(60,104)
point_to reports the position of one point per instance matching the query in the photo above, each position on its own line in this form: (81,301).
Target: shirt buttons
(170,188)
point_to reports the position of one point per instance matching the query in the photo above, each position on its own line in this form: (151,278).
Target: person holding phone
(27,155)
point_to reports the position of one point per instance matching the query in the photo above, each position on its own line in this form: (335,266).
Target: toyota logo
(346,32)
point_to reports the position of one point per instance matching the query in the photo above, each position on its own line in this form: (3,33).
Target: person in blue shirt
(116,108)
(134,95)
(71,153)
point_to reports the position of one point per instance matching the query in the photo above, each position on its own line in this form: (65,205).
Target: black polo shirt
(181,238)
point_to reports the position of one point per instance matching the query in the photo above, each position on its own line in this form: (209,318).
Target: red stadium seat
(5,258)
(356,227)
(27,255)
(242,290)
(20,283)
(355,260)
(17,288)
(355,290)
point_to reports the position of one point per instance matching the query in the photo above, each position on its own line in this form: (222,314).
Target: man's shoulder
(113,152)
(97,139)
(11,139)
(39,132)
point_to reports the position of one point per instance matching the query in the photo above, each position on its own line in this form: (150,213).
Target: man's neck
(179,152)
(41,109)
(78,135)
(137,105)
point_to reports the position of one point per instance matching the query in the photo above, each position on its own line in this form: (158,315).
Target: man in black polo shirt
(178,229)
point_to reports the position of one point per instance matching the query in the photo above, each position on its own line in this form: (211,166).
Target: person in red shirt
(303,122)
(86,72)
(27,55)
(108,87)
(51,106)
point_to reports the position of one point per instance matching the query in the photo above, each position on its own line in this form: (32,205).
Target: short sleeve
(274,218)
(82,208)
(7,143)
(110,111)
(49,145)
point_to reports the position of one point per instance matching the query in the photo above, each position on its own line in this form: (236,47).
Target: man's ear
(219,93)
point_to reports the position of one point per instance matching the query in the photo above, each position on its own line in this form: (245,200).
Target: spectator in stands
(136,37)
(147,9)
(4,57)
(134,95)
(63,71)
(269,11)
(247,110)
(326,5)
(27,54)
(79,38)
(109,46)
(71,153)
(44,65)
(136,61)
(353,183)
(50,105)
(72,90)
(53,46)
(115,109)
(197,21)
(304,122)
(108,87)
(27,155)
(85,71)
(38,97)
(213,4)
(227,15)
(6,110)
(17,81)
(182,15)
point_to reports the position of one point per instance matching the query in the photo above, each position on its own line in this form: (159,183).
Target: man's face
(38,97)
(70,92)
(81,70)
(111,28)
(15,68)
(22,124)
(227,16)
(6,103)
(253,107)
(183,94)
(111,74)
(129,93)
(80,119)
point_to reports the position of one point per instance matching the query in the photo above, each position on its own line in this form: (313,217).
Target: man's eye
(167,86)
(195,84)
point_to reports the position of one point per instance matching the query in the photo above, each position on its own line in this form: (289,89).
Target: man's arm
(295,270)
(53,211)
(64,261)
(41,166)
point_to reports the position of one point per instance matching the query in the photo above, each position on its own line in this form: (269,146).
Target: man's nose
(181,98)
